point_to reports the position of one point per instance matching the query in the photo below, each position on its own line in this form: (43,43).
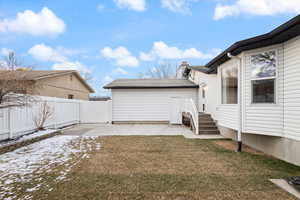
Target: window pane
(229,85)
(263,65)
(263,91)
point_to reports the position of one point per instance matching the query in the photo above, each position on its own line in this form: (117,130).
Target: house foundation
(282,148)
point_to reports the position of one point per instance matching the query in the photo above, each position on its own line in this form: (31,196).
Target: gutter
(278,35)
(240,115)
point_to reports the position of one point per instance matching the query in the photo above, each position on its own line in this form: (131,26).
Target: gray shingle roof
(150,83)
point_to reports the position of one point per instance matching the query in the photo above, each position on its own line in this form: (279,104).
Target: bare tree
(87,76)
(14,85)
(160,71)
(45,112)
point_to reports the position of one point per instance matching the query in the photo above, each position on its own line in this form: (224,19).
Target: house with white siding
(250,93)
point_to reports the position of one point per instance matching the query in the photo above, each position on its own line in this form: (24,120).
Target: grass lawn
(168,167)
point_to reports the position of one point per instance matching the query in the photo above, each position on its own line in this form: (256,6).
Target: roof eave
(257,42)
(148,87)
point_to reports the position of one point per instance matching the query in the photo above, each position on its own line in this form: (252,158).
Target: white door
(175,110)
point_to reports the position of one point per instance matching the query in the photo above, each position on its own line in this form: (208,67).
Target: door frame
(203,97)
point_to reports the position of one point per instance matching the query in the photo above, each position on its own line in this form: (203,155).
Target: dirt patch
(231,145)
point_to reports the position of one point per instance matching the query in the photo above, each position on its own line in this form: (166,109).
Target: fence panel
(18,121)
(95,111)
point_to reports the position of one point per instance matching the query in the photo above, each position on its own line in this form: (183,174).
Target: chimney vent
(184,63)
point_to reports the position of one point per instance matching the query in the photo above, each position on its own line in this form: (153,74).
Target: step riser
(208,127)
(208,116)
(207,123)
(206,120)
(209,132)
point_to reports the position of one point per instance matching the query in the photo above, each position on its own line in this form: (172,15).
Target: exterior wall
(211,94)
(147,104)
(62,86)
(265,119)
(271,128)
(291,115)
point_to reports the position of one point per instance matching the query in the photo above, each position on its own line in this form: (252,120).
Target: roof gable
(34,75)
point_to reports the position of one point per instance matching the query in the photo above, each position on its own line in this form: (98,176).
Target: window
(70,96)
(203,93)
(263,77)
(71,78)
(229,76)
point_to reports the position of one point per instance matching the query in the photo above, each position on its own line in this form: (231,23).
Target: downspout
(239,133)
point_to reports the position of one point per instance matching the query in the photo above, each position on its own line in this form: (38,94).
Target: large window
(263,77)
(229,84)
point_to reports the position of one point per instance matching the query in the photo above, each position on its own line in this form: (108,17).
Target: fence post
(109,111)
(79,112)
(10,123)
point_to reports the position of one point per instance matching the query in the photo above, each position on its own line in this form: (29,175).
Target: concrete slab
(285,186)
(136,129)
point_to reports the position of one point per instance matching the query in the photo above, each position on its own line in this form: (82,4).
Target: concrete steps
(207,126)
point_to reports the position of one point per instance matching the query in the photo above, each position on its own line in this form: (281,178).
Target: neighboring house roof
(281,34)
(34,75)
(150,83)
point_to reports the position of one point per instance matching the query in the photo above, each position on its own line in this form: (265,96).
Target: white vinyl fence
(17,121)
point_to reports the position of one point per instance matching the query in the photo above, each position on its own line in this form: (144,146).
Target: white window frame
(221,81)
(275,78)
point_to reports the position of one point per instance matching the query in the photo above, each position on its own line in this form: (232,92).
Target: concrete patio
(135,129)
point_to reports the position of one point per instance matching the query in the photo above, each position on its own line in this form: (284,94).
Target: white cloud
(68,65)
(5,51)
(43,23)
(257,7)
(181,6)
(161,50)
(137,5)
(120,71)
(45,53)
(59,56)
(121,55)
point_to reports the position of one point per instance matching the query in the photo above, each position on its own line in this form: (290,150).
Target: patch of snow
(32,162)
(28,137)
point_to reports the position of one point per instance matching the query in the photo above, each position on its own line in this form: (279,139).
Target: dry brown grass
(171,168)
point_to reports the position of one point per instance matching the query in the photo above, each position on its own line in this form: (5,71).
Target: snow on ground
(28,137)
(30,164)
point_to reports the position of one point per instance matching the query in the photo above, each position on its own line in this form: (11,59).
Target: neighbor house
(251,91)
(66,84)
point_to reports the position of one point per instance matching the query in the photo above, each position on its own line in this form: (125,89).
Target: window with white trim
(263,77)
(229,80)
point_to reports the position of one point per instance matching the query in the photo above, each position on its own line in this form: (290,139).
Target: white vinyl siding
(227,114)
(292,89)
(147,104)
(267,118)
(211,92)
